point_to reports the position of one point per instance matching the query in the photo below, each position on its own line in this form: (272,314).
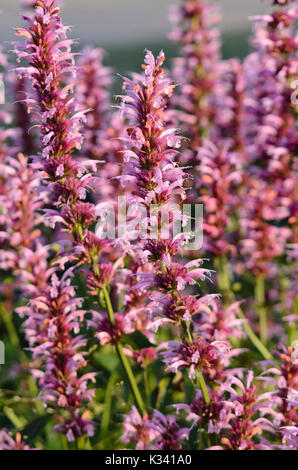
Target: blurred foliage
(129,57)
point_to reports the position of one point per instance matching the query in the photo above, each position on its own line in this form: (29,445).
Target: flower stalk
(123,359)
(203,386)
(261,309)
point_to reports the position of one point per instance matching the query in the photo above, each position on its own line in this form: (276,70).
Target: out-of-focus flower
(21,203)
(145,356)
(29,3)
(196,71)
(7,442)
(153,432)
(137,431)
(169,434)
(219,177)
(220,323)
(281,2)
(91,92)
(21,249)
(289,438)
(271,127)
(283,374)
(262,240)
(103,128)
(26,134)
(229,98)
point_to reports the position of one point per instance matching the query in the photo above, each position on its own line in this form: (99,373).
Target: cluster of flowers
(83,292)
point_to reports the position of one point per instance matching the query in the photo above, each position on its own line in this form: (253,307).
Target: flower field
(148,241)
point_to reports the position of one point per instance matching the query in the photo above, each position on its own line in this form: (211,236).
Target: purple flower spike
(51,319)
(197,68)
(91,92)
(218,180)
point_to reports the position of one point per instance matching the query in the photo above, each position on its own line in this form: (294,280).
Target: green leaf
(109,361)
(189,389)
(193,437)
(137,340)
(35,427)
(161,392)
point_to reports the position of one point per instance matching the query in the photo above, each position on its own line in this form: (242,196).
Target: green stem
(83,443)
(19,423)
(223,278)
(254,339)
(109,306)
(200,377)
(105,421)
(284,288)
(73,445)
(260,305)
(186,332)
(203,386)
(7,320)
(131,380)
(146,385)
(123,359)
